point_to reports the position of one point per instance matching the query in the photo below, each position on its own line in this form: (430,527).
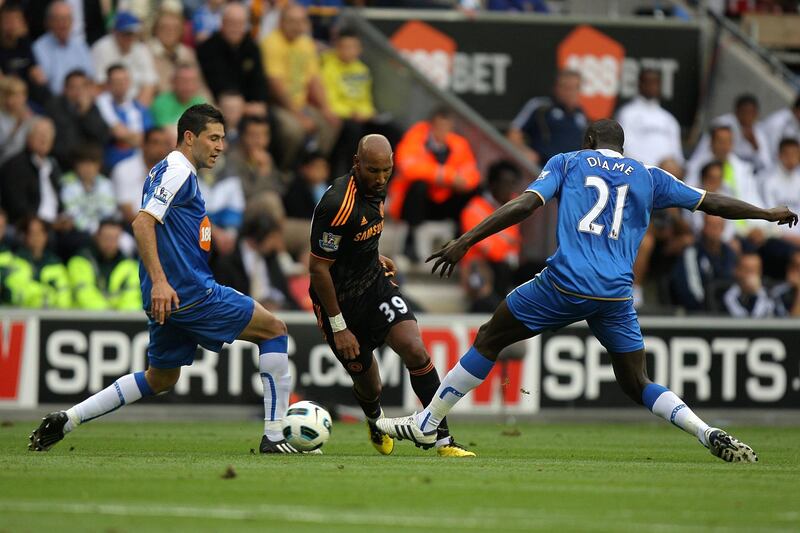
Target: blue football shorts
(541,306)
(219,318)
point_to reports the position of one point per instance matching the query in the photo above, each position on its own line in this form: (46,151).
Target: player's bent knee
(414,355)
(161,379)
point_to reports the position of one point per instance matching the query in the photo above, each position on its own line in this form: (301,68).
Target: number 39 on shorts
(397,303)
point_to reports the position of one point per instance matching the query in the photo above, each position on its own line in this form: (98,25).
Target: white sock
(273,365)
(125,390)
(469,372)
(666,404)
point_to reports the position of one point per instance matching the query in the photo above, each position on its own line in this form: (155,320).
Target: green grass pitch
(133,477)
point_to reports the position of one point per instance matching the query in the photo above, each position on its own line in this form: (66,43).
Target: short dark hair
(746,99)
(78,72)
(498,168)
(109,221)
(308,157)
(249,120)
(347,32)
(24,225)
(645,71)
(113,68)
(148,133)
(787,141)
(707,168)
(196,118)
(605,131)
(719,127)
(11,7)
(258,226)
(442,111)
(87,152)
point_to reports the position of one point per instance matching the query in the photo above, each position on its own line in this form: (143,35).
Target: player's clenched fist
(346,344)
(164,300)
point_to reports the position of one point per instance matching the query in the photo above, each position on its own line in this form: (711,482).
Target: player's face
(790,156)
(373,172)
(208,146)
(650,85)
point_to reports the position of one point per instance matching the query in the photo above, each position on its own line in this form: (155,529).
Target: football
(307,425)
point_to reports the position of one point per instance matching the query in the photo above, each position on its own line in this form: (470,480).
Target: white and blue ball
(307,425)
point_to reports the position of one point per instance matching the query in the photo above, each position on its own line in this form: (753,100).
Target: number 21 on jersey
(587,224)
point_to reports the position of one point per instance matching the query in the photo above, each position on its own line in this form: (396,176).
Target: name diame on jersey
(602,163)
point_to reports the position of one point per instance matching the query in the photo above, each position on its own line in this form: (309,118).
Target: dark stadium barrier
(51,357)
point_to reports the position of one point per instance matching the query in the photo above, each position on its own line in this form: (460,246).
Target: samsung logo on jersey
(615,167)
(370,232)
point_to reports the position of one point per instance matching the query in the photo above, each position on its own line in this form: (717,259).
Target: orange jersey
(414,162)
(496,248)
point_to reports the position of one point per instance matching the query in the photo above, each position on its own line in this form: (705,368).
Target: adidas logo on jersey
(363,221)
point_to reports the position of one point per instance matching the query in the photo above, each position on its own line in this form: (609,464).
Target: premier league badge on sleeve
(162,195)
(330,242)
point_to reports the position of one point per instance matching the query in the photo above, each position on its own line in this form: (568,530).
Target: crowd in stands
(89,101)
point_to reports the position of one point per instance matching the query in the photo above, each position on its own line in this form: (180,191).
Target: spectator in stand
(348,85)
(251,161)
(122,47)
(232,106)
(186,92)
(782,124)
(435,173)
(207,20)
(711,181)
(747,297)
(548,126)
(253,267)
(29,180)
(89,21)
(308,186)
(500,252)
(128,175)
(526,6)
(126,118)
(782,184)
(169,53)
(749,143)
(703,264)
(787,294)
(15,117)
(59,52)
(101,277)
(7,246)
(77,119)
(652,134)
(37,278)
(230,61)
(292,68)
(16,51)
(87,196)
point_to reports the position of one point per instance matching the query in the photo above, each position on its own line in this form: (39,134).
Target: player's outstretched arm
(163,297)
(733,209)
(510,213)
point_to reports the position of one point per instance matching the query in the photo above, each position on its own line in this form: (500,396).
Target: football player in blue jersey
(605,201)
(184,304)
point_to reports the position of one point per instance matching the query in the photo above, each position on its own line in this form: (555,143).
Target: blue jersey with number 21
(605,201)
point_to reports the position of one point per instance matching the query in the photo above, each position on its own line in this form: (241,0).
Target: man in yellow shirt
(292,68)
(348,84)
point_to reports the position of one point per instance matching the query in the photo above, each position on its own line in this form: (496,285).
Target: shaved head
(373,164)
(373,143)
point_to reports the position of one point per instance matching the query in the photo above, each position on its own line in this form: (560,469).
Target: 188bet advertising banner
(62,358)
(497,64)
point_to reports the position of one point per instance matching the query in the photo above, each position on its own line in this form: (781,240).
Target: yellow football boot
(453,449)
(380,440)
